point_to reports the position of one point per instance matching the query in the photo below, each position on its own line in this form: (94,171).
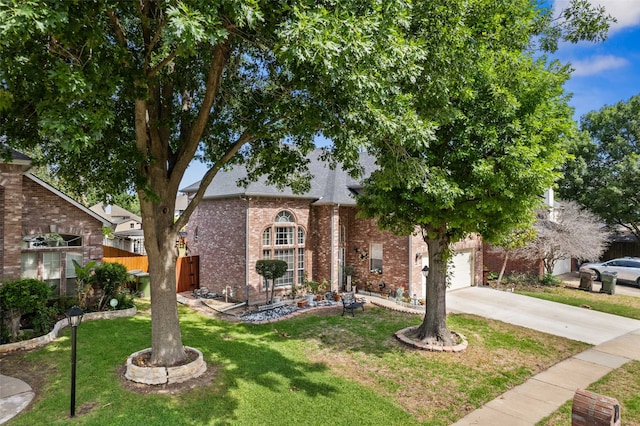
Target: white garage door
(462,270)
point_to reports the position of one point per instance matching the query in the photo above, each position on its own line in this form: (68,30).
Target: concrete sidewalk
(15,395)
(616,340)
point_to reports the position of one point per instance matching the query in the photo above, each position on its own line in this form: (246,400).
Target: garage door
(462,270)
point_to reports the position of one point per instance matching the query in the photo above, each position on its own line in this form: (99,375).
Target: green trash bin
(608,282)
(143,284)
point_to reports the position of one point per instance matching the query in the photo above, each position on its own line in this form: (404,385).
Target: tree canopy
(604,173)
(127,94)
(500,118)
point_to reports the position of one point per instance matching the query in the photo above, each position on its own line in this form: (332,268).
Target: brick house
(316,233)
(42,230)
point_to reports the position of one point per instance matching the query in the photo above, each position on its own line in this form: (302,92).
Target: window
(266,237)
(375,258)
(284,235)
(51,240)
(284,216)
(51,270)
(285,240)
(29,267)
(70,272)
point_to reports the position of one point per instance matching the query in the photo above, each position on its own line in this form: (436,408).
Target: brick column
(11,220)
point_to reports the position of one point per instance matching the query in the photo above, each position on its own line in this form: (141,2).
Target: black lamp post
(425,271)
(74,315)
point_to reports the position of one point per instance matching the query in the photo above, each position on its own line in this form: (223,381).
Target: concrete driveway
(554,318)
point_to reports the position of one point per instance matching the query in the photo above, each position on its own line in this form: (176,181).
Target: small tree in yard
(22,297)
(110,277)
(271,269)
(84,281)
(574,233)
(519,237)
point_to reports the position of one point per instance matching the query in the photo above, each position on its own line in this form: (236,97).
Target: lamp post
(74,315)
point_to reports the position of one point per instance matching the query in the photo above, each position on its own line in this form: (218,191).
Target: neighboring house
(316,233)
(127,228)
(43,230)
(494,256)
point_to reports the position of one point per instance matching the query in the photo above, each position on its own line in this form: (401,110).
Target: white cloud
(627,12)
(597,64)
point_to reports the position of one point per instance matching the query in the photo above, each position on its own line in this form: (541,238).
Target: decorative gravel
(269,314)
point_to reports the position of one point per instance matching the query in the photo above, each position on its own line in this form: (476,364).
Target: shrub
(22,297)
(110,277)
(44,319)
(549,279)
(125,301)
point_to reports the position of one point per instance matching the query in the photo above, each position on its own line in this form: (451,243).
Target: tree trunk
(14,320)
(160,238)
(504,266)
(166,338)
(434,326)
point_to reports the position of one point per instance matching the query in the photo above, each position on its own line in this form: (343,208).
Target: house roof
(16,157)
(327,186)
(67,199)
(114,214)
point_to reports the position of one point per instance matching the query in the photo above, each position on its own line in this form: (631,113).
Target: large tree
(128,93)
(500,116)
(604,173)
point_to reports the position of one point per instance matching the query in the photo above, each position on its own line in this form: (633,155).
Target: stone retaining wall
(57,328)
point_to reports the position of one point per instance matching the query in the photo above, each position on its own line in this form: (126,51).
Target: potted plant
(312,289)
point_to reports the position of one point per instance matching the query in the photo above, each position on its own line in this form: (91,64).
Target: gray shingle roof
(327,186)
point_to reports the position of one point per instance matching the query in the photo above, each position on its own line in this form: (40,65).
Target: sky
(609,72)
(603,73)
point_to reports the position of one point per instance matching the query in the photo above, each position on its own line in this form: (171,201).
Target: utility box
(586,279)
(591,409)
(608,282)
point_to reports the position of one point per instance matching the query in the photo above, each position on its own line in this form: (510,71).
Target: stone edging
(401,335)
(165,375)
(397,308)
(57,328)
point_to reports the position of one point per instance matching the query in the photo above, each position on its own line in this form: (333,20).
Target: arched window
(285,240)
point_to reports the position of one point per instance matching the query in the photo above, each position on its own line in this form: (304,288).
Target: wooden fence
(187,268)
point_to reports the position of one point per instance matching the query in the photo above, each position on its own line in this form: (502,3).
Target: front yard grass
(616,304)
(315,369)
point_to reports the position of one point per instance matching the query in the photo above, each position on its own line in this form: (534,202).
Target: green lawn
(616,304)
(316,369)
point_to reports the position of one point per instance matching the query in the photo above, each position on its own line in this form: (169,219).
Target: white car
(627,268)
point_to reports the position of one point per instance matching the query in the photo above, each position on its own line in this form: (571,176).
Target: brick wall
(43,212)
(395,251)
(494,258)
(28,208)
(11,183)
(230,242)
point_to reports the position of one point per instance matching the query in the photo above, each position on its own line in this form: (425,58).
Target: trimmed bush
(110,277)
(21,297)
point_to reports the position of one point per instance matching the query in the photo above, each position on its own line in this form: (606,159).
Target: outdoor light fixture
(425,271)
(74,315)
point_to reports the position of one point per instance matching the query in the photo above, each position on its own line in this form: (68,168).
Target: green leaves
(603,174)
